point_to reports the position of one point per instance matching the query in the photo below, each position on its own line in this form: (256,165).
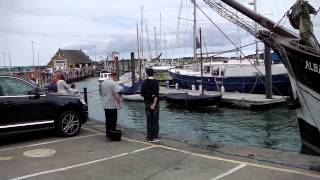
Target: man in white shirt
(110,91)
(62,86)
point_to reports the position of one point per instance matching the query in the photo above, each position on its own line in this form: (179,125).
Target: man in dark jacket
(150,92)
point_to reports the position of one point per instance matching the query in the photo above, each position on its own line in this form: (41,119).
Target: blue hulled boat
(234,76)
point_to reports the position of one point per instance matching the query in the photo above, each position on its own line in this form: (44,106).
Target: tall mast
(141,34)
(148,39)
(165,46)
(239,41)
(138,47)
(201,62)
(160,34)
(194,31)
(155,42)
(256,29)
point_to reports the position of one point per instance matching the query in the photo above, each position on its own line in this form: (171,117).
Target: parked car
(25,107)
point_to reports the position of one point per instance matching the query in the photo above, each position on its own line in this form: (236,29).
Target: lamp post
(38,63)
(32,42)
(10,63)
(4,60)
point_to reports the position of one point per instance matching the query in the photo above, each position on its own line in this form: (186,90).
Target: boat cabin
(104,74)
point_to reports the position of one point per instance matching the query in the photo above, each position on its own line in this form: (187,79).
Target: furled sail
(300,19)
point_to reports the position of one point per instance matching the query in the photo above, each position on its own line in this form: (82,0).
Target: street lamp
(4,60)
(32,42)
(38,63)
(9,63)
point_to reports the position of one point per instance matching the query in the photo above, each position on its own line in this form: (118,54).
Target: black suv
(25,107)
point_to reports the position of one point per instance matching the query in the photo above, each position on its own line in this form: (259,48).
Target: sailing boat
(240,75)
(134,88)
(301,57)
(194,99)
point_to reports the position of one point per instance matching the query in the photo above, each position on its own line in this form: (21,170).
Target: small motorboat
(191,99)
(104,74)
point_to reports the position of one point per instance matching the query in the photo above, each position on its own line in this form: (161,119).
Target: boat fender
(222,89)
(167,84)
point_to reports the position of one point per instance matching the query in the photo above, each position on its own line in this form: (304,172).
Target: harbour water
(273,128)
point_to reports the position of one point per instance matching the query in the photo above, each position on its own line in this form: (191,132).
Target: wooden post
(123,65)
(268,75)
(117,67)
(133,68)
(85,95)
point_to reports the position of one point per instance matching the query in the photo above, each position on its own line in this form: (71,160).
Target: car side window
(15,87)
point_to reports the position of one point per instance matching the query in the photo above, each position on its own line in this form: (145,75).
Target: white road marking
(81,164)
(230,160)
(39,153)
(182,151)
(242,162)
(50,142)
(142,149)
(5,158)
(229,172)
(91,130)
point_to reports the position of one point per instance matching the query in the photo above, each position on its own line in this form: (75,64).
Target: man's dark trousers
(152,120)
(111,120)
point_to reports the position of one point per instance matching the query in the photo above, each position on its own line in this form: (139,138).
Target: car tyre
(69,124)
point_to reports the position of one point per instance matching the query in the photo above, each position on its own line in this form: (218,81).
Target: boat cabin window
(218,70)
(222,70)
(206,69)
(215,71)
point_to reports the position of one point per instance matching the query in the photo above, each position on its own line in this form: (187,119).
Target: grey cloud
(98,26)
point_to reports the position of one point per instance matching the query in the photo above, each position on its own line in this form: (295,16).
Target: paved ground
(42,155)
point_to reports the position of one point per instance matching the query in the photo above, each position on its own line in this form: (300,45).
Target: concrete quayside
(92,156)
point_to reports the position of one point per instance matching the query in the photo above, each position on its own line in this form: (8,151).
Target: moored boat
(301,57)
(104,74)
(193,99)
(235,76)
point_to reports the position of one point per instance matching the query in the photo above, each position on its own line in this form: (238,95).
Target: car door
(19,104)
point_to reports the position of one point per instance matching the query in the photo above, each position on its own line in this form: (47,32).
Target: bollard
(85,95)
(167,84)
(200,88)
(177,86)
(193,87)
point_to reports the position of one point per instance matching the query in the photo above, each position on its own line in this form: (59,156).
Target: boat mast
(148,39)
(141,34)
(160,48)
(201,62)
(194,31)
(256,29)
(138,47)
(155,42)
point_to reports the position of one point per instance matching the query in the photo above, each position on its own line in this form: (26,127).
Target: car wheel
(69,124)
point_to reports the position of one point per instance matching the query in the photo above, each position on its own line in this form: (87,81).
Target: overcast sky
(101,26)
